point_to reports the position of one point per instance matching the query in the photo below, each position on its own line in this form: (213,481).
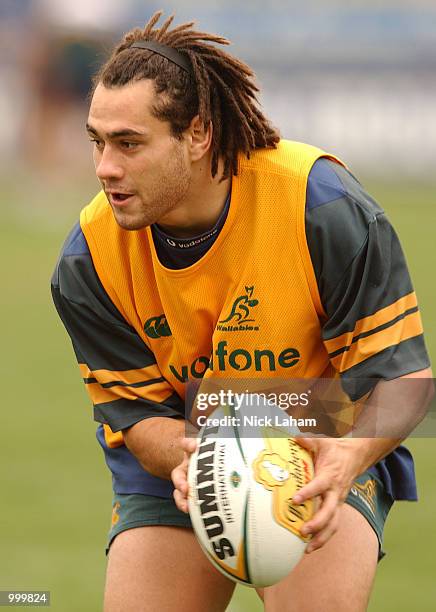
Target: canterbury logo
(157,327)
(241,308)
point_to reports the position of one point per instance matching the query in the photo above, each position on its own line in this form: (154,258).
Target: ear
(199,138)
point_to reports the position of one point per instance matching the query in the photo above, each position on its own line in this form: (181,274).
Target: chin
(131,222)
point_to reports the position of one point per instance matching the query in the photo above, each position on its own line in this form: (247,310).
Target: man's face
(144,171)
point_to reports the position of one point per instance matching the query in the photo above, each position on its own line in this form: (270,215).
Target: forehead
(128,106)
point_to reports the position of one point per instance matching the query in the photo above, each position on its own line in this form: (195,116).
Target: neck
(202,205)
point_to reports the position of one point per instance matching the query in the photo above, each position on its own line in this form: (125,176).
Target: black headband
(171,54)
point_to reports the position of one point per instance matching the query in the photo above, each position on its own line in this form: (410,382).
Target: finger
(318,486)
(181,501)
(180,483)
(324,535)
(324,515)
(310,444)
(179,476)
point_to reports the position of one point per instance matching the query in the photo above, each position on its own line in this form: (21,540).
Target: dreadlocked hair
(220,89)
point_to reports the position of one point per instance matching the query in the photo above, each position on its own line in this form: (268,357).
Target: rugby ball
(240,499)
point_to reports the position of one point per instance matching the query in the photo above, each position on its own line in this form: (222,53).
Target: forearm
(391,413)
(369,451)
(155,443)
(339,461)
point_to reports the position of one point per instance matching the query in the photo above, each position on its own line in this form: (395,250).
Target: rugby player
(205,211)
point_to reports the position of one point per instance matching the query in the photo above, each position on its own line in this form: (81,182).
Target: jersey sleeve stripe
(109,385)
(120,383)
(127,378)
(137,385)
(158,392)
(385,316)
(374,331)
(404,329)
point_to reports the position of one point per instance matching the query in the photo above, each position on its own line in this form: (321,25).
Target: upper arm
(372,328)
(119,370)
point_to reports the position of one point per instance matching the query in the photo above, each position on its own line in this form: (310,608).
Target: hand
(337,464)
(179,475)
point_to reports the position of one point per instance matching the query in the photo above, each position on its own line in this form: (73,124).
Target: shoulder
(338,220)
(288,158)
(76,282)
(74,259)
(339,211)
(75,244)
(329,183)
(75,278)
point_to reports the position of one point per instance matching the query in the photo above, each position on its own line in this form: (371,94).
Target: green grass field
(55,508)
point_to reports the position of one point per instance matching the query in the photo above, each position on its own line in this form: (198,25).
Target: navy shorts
(367,495)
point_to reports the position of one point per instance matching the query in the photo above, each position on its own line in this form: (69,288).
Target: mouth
(118,198)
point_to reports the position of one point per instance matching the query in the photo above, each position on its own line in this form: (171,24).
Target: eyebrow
(116,133)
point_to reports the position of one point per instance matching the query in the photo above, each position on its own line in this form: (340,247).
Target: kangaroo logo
(157,327)
(366,492)
(276,471)
(241,307)
(271,470)
(115,516)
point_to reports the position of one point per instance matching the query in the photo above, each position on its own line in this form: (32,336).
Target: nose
(107,165)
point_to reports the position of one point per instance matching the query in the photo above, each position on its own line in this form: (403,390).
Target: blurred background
(354,77)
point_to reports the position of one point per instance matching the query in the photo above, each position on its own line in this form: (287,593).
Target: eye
(97,143)
(125,144)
